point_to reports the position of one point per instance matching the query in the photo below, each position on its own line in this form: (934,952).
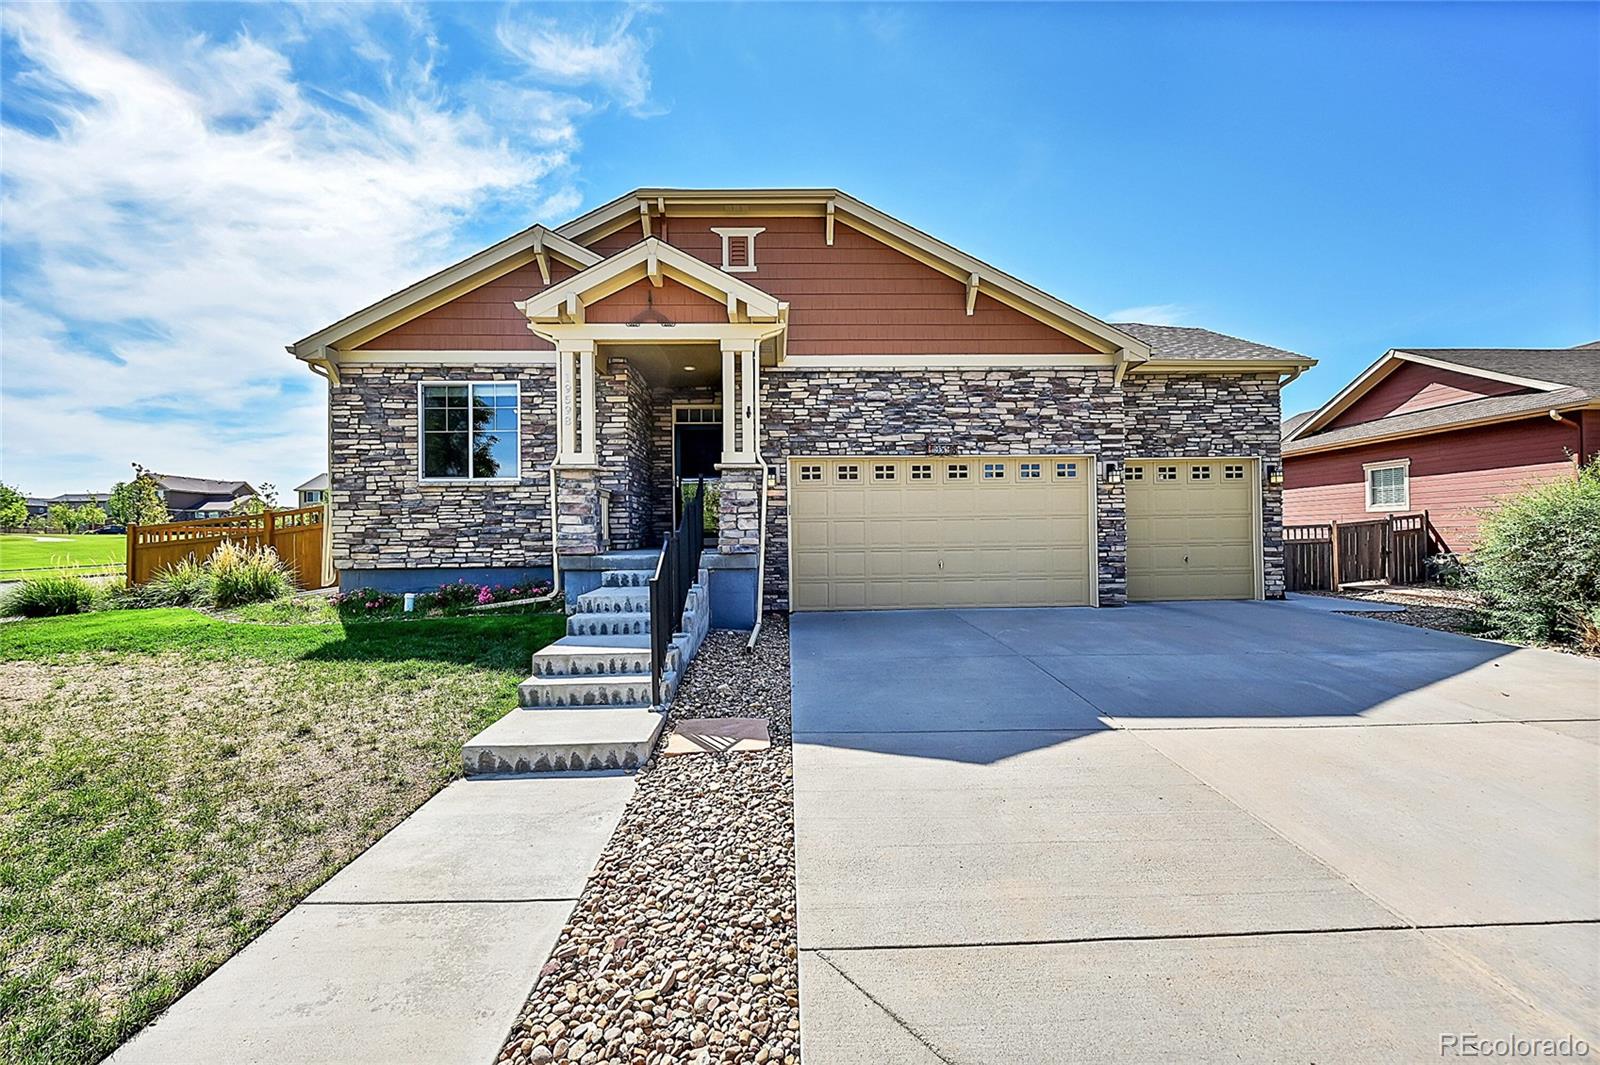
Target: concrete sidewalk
(422,950)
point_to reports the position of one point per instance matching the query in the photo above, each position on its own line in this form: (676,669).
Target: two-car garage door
(878,533)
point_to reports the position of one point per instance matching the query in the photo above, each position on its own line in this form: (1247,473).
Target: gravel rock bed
(682,948)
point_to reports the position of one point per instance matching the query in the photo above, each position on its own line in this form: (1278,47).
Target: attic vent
(738,248)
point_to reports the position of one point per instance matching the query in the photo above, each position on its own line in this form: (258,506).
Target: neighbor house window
(1389,485)
(469,431)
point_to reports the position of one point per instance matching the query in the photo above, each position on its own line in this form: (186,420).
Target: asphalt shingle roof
(320,481)
(173,483)
(1574,367)
(1187,342)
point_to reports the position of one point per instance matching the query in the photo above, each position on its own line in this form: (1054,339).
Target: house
(890,421)
(190,498)
(39,506)
(1443,430)
(313,492)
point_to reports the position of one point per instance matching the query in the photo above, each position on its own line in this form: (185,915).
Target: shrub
(184,584)
(49,596)
(242,575)
(1538,560)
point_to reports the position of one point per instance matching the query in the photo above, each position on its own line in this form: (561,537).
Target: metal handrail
(675,573)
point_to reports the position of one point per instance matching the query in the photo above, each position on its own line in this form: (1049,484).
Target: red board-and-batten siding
(1454,475)
(857,297)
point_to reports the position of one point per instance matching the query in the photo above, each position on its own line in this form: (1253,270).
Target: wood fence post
(132,532)
(1333,532)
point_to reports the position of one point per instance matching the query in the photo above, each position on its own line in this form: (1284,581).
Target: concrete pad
(1442,823)
(1141,629)
(1583,731)
(544,740)
(718,735)
(1329,604)
(1383,996)
(351,985)
(951,692)
(859,1031)
(830,637)
(1518,684)
(1556,967)
(490,841)
(1096,836)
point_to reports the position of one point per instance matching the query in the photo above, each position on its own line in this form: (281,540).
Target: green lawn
(43,551)
(172,782)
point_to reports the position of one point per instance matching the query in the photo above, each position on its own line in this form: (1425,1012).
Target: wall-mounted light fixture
(1110,473)
(1275,474)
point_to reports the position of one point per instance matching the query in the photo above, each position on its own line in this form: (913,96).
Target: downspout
(555,556)
(1576,423)
(326,369)
(761,511)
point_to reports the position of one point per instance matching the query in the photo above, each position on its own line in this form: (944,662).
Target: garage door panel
(1191,530)
(958,531)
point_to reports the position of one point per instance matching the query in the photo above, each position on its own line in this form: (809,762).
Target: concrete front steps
(589,703)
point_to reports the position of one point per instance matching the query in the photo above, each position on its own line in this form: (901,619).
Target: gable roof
(206,485)
(533,244)
(1180,342)
(1293,422)
(1555,379)
(319,482)
(646,203)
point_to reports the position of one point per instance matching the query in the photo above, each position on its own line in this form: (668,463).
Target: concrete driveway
(1196,832)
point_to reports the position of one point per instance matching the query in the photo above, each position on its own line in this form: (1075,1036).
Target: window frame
(471,384)
(1367,470)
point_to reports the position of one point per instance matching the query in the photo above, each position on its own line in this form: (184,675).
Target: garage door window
(1135,473)
(883,472)
(1030,471)
(1066,469)
(921,471)
(1233,473)
(1166,473)
(848,473)
(994,471)
(1200,473)
(956,471)
(811,473)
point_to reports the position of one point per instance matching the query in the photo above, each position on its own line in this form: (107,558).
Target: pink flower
(485,595)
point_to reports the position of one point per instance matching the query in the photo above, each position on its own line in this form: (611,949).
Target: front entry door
(696,448)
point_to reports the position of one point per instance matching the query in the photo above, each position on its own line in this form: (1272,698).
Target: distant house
(1443,430)
(314,492)
(39,506)
(188,498)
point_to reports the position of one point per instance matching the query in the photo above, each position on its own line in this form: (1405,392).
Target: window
(1166,473)
(1135,473)
(883,473)
(1030,471)
(469,431)
(1233,473)
(1389,485)
(1066,469)
(922,471)
(848,473)
(811,473)
(738,248)
(1199,473)
(313,497)
(994,471)
(956,471)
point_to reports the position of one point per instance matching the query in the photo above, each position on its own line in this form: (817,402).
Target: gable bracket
(644,216)
(972,293)
(652,267)
(541,257)
(830,223)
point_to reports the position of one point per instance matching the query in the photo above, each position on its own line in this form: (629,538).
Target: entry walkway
(420,951)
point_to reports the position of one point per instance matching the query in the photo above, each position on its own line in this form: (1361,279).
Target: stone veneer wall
(623,425)
(739,511)
(1065,411)
(1214,415)
(383,517)
(901,412)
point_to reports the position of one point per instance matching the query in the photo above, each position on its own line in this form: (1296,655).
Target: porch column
(575,406)
(566,407)
(589,453)
(729,403)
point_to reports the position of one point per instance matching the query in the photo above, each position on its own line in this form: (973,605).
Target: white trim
(516,250)
(430,481)
(1366,486)
(446,357)
(1312,447)
(750,233)
(1473,371)
(934,362)
(553,306)
(1262,366)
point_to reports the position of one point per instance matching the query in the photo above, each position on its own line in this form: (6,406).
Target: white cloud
(175,211)
(612,56)
(1152,314)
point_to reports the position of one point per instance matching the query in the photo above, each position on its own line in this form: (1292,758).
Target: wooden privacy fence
(296,535)
(1324,556)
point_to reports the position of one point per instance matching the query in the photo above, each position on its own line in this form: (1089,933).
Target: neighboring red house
(1443,430)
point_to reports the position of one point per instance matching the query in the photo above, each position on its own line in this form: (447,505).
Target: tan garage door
(1191,529)
(879,533)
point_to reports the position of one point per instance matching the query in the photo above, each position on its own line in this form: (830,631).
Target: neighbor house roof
(1556,379)
(231,489)
(1182,342)
(317,483)
(213,504)
(1293,422)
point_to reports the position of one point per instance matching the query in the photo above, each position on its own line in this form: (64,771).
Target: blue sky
(186,189)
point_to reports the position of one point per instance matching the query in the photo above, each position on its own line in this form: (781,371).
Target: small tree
(137,502)
(91,516)
(13,508)
(62,517)
(264,500)
(1538,560)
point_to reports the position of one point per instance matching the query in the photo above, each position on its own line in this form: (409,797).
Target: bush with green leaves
(49,596)
(1538,560)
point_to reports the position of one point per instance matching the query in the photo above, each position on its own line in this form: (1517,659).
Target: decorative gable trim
(739,247)
(534,245)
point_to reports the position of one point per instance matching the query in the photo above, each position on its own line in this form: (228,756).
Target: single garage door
(879,533)
(1191,529)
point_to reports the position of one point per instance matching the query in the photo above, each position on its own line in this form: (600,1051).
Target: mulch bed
(682,948)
